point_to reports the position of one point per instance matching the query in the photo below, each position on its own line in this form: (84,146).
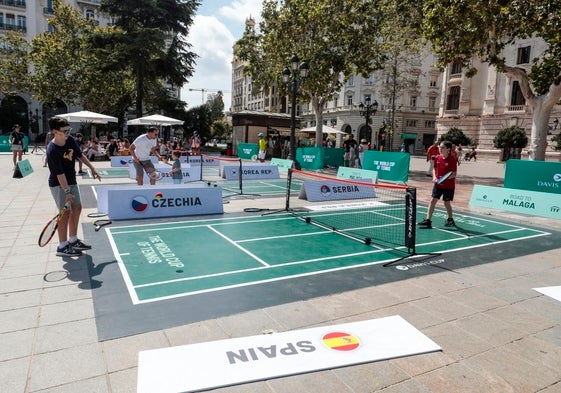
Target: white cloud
(212,38)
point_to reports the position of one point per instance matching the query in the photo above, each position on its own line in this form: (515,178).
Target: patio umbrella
(325,129)
(154,120)
(88,116)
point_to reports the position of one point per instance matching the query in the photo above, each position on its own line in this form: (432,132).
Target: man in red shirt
(443,163)
(432,152)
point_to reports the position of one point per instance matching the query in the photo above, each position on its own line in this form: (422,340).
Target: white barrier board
(124,161)
(213,364)
(124,202)
(190,173)
(251,172)
(328,190)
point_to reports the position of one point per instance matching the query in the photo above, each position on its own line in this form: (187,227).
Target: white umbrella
(325,129)
(154,120)
(88,116)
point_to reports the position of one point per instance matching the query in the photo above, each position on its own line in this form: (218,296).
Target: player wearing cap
(262,147)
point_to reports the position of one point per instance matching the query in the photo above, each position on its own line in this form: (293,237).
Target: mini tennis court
(176,259)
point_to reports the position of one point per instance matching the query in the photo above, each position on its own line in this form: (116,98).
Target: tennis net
(381,214)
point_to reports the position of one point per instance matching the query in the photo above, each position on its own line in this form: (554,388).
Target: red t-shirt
(444,165)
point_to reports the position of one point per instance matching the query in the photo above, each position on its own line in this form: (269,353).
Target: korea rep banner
(538,176)
(517,201)
(391,166)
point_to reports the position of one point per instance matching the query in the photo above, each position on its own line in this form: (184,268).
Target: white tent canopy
(154,120)
(325,129)
(87,116)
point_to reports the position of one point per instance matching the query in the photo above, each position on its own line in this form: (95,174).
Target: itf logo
(139,203)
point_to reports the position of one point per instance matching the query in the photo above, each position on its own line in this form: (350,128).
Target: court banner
(517,201)
(541,176)
(124,161)
(356,174)
(328,190)
(391,166)
(207,160)
(5,146)
(310,157)
(248,151)
(284,165)
(174,200)
(25,167)
(333,156)
(250,172)
(209,365)
(190,173)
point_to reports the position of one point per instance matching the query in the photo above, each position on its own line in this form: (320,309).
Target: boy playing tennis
(62,154)
(175,172)
(443,164)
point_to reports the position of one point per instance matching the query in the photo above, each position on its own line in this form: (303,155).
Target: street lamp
(367,109)
(297,74)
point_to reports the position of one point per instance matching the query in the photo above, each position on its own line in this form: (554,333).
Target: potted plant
(511,141)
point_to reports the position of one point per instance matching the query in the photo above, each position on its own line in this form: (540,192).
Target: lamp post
(367,109)
(293,76)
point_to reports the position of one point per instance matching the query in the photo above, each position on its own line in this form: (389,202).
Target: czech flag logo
(340,341)
(123,162)
(139,204)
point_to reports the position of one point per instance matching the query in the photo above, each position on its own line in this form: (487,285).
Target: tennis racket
(444,177)
(50,229)
(254,209)
(152,172)
(101,223)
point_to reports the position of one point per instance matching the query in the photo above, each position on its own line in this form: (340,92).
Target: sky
(217,25)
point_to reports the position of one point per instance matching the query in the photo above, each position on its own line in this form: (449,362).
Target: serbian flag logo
(340,341)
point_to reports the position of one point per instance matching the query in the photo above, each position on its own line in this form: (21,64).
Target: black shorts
(447,194)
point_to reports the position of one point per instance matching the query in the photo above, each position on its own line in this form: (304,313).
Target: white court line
(238,246)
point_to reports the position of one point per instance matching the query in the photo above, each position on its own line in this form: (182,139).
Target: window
(523,56)
(369,80)
(368,97)
(432,103)
(433,80)
(22,22)
(413,103)
(430,124)
(456,67)
(351,81)
(350,100)
(411,123)
(90,14)
(453,98)
(516,97)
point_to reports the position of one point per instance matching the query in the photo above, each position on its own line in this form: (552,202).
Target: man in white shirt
(140,150)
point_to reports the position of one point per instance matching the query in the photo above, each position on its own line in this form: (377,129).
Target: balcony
(12,27)
(14,3)
(516,108)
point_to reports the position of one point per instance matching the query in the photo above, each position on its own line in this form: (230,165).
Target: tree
(460,31)
(151,42)
(335,48)
(67,66)
(510,137)
(14,63)
(216,105)
(198,119)
(456,136)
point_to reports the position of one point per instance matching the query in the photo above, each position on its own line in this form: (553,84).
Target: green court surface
(169,260)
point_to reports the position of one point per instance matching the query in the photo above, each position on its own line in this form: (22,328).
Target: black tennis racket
(254,209)
(50,229)
(444,177)
(101,223)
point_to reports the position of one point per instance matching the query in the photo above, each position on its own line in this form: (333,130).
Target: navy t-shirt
(61,159)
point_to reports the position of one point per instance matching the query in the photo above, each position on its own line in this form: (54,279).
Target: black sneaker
(426,223)
(67,251)
(81,172)
(80,245)
(450,223)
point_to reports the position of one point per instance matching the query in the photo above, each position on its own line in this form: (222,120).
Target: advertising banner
(356,174)
(541,176)
(517,201)
(284,165)
(174,200)
(248,151)
(190,173)
(333,156)
(250,172)
(327,190)
(310,157)
(391,166)
(124,161)
(24,167)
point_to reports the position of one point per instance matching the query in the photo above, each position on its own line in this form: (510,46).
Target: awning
(408,136)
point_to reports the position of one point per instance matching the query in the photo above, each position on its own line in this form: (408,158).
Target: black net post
(410,218)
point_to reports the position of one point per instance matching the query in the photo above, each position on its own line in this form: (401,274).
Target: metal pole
(292,152)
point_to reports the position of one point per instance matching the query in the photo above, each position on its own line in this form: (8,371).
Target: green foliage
(221,130)
(14,61)
(510,137)
(557,140)
(198,118)
(457,137)
(150,42)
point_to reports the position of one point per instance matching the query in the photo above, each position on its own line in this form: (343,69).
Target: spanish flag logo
(340,341)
